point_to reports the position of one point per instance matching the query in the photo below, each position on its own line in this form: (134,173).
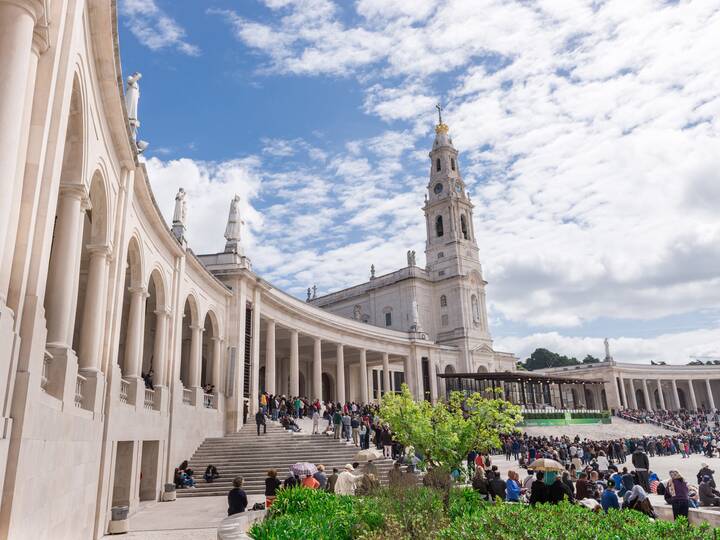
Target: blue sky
(588,134)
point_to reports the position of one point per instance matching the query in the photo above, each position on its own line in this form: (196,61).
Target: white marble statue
(415,315)
(607,349)
(132,95)
(180,213)
(357,312)
(235,222)
(411,258)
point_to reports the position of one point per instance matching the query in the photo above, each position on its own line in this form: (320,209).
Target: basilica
(122,350)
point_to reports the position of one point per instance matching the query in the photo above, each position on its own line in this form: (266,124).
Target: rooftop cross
(439,110)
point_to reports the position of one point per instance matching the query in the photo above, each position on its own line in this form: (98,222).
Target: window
(388,319)
(443,301)
(439,226)
(437,164)
(452,164)
(444,321)
(463,226)
(440,254)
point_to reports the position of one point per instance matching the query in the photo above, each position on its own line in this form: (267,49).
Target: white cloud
(154,28)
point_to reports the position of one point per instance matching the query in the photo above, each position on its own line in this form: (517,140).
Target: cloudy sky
(588,133)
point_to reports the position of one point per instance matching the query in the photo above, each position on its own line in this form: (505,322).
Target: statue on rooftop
(233,229)
(132,96)
(180,213)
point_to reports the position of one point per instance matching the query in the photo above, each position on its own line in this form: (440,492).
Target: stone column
(254,404)
(407,368)
(675,394)
(294,364)
(216,364)
(693,401)
(62,276)
(195,355)
(340,382)
(709,393)
(162,316)
(633,397)
(17,23)
(660,395)
(363,377)
(270,357)
(433,378)
(93,321)
(386,372)
(317,370)
(648,402)
(134,339)
(622,393)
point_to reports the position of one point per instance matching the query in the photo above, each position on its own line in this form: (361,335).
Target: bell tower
(453,261)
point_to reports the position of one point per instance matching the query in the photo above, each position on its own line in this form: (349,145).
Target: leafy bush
(418,513)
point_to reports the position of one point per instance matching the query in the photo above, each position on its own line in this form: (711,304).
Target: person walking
(337,423)
(355,426)
(260,421)
(315,421)
(641,462)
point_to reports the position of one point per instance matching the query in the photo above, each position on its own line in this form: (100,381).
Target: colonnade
(317,364)
(629,387)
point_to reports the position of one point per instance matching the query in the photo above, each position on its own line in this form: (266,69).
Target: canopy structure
(532,391)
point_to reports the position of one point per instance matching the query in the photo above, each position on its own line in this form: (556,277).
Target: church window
(452,164)
(443,301)
(439,226)
(388,319)
(475,309)
(463,226)
(444,321)
(437,164)
(441,254)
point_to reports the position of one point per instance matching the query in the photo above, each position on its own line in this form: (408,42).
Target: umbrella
(545,464)
(368,455)
(303,469)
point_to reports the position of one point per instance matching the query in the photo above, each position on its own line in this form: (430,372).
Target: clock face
(438,189)
(458,188)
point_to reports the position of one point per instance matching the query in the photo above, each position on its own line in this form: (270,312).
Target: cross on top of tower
(441,127)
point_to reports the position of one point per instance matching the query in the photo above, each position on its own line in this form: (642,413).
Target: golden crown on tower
(441,128)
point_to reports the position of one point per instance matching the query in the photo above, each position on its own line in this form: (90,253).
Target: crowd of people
(695,423)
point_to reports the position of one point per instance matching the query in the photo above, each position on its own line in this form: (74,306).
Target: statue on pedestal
(132,96)
(411,258)
(234,227)
(372,271)
(357,312)
(179,215)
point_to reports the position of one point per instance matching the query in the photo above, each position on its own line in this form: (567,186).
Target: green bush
(418,513)
(543,415)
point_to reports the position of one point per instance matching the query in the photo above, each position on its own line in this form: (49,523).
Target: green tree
(444,434)
(543,358)
(589,359)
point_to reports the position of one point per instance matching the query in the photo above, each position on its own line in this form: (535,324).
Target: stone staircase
(247,455)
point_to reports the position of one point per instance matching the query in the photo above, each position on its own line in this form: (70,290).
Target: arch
(133,282)
(439,231)
(681,397)
(452,163)
(463,226)
(640,399)
(482,369)
(443,301)
(210,337)
(189,320)
(449,369)
(438,166)
(328,386)
(134,268)
(589,399)
(74,153)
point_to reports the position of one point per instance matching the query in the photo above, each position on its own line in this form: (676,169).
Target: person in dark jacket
(641,462)
(557,491)
(706,471)
(211,473)
(708,495)
(330,486)
(272,484)
(497,487)
(237,498)
(291,481)
(678,495)
(260,421)
(538,490)
(582,488)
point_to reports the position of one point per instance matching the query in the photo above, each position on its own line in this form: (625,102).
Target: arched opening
(443,301)
(439,226)
(463,226)
(189,321)
(156,330)
(130,346)
(437,165)
(449,369)
(328,387)
(150,332)
(207,352)
(640,399)
(475,309)
(589,399)
(683,400)
(482,369)
(92,289)
(452,163)
(62,283)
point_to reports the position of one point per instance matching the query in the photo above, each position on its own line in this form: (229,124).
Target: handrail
(124,390)
(79,388)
